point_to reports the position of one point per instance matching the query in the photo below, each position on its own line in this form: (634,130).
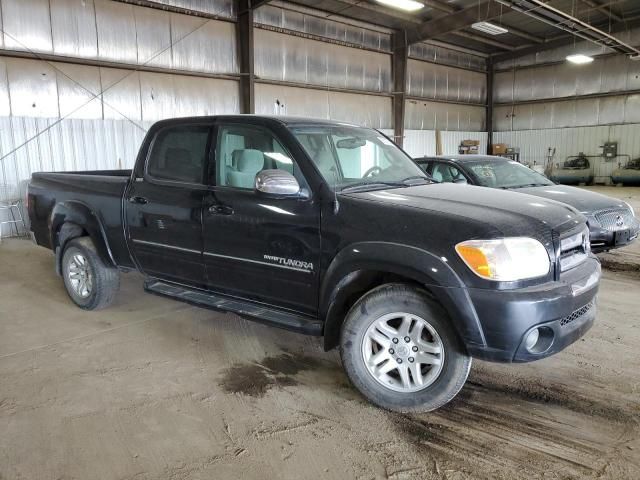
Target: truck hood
(513,214)
(584,201)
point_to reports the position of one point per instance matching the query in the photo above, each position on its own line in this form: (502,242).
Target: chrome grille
(616,219)
(576,314)
(574,249)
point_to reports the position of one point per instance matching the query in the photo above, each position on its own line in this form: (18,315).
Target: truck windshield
(358,158)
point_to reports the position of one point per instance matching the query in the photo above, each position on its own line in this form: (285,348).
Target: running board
(249,310)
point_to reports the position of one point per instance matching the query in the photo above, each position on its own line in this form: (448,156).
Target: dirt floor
(156,389)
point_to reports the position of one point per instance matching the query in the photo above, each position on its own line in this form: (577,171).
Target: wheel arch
(75,219)
(361,267)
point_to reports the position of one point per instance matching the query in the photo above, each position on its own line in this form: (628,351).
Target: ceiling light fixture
(407,5)
(489,28)
(579,59)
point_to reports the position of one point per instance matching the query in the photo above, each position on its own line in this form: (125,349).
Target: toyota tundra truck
(328,229)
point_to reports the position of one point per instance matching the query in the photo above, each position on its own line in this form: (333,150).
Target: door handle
(138,200)
(220,210)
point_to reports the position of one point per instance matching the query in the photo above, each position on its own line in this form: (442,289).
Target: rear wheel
(400,350)
(89,282)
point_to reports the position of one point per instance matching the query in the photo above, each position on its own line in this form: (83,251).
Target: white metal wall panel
(534,144)
(26,25)
(203,45)
(446,56)
(79,91)
(32,88)
(153,37)
(274,16)
(293,59)
(368,110)
(221,8)
(440,82)
(121,94)
(421,115)
(71,144)
(73,27)
(120,32)
(420,143)
(5,105)
(116,28)
(611,74)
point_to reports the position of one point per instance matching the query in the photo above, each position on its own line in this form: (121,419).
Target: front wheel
(401,352)
(90,283)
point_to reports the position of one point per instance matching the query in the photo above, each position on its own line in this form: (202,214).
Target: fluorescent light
(579,58)
(489,28)
(408,5)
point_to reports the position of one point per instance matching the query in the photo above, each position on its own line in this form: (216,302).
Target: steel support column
(399,68)
(244,38)
(489,118)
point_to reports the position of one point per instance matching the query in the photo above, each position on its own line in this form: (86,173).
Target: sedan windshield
(506,174)
(358,158)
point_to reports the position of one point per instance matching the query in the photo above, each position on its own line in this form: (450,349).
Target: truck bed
(100,190)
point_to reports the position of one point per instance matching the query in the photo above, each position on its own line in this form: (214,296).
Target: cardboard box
(470,143)
(498,148)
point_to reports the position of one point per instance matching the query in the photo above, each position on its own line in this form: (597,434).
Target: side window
(179,154)
(443,172)
(243,151)
(425,166)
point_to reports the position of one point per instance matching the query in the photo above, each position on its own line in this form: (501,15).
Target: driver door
(259,247)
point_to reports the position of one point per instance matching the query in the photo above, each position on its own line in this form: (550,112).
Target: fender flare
(79,214)
(351,269)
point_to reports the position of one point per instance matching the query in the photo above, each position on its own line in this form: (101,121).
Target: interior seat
(248,162)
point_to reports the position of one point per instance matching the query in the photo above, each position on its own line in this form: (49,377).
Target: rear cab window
(179,154)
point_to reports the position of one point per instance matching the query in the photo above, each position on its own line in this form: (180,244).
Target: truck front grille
(575,315)
(616,219)
(574,249)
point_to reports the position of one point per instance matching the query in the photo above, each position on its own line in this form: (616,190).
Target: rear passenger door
(258,247)
(163,205)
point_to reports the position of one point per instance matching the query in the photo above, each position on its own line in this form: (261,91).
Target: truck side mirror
(278,183)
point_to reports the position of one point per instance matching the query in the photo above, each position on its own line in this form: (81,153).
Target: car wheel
(89,282)
(401,352)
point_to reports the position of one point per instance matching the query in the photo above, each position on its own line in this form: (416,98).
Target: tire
(101,281)
(432,385)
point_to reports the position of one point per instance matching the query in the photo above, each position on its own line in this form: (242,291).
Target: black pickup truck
(328,229)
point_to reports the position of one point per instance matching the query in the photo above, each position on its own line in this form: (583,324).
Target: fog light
(531,340)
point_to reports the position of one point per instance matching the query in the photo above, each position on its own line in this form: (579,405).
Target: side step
(250,310)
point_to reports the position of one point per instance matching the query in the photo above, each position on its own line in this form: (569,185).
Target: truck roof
(284,119)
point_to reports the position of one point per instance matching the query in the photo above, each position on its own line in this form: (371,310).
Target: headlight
(506,259)
(631,208)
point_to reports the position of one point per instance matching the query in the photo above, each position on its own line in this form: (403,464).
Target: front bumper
(602,239)
(563,311)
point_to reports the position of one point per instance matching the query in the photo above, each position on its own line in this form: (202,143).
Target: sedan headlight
(630,209)
(505,259)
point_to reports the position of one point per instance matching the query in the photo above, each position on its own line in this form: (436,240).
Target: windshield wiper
(528,185)
(424,177)
(374,184)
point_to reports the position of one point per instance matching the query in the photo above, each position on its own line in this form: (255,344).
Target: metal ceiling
(533,25)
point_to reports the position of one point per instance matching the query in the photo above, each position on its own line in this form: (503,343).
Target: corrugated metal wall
(534,144)
(368,110)
(420,143)
(426,115)
(111,68)
(294,59)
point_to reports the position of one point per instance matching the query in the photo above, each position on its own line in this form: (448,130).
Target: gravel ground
(156,389)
